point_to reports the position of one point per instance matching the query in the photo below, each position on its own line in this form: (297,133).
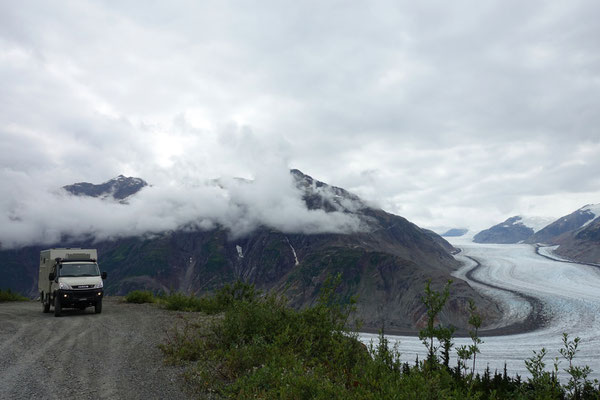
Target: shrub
(8,295)
(221,300)
(140,296)
(181,302)
(262,348)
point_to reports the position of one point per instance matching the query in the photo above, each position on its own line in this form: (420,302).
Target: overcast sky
(451,114)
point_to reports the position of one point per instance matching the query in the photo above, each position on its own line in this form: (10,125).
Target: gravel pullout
(82,355)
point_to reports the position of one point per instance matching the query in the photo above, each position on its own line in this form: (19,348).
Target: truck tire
(98,306)
(57,306)
(45,303)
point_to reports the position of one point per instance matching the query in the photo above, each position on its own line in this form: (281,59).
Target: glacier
(568,292)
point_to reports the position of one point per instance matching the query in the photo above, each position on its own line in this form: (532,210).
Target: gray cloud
(455,114)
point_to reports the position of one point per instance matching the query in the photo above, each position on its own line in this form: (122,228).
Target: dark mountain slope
(569,223)
(510,231)
(577,234)
(581,245)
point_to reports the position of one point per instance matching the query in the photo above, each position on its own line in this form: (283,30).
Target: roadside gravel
(82,355)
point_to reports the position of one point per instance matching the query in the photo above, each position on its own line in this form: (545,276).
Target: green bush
(262,348)
(220,301)
(181,302)
(140,296)
(8,295)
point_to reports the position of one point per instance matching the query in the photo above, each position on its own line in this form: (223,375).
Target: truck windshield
(76,269)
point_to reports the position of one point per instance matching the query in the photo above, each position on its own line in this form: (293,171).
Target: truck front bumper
(79,298)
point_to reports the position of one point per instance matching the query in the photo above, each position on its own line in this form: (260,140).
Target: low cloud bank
(33,216)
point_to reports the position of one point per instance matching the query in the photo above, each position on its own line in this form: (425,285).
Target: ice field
(569,295)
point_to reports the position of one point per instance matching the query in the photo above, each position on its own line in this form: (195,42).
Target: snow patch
(593,209)
(239,251)
(536,223)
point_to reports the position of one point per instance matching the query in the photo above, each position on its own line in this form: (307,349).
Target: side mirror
(51,276)
(103,275)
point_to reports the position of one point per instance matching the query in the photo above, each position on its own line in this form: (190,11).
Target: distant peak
(298,173)
(118,188)
(595,208)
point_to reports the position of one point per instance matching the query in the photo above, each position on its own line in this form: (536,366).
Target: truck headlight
(99,285)
(65,286)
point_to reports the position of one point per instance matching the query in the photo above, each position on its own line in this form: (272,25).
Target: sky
(450,114)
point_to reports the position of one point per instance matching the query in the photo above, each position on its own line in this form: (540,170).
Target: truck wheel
(98,306)
(45,303)
(57,306)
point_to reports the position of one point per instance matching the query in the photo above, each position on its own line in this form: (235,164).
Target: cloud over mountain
(275,201)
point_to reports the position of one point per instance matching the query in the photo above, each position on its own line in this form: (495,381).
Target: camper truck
(70,278)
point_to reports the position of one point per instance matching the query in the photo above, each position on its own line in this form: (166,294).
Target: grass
(140,296)
(261,348)
(220,301)
(8,295)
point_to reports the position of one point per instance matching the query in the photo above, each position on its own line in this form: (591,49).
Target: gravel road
(82,355)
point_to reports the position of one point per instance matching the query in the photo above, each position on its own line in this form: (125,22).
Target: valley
(527,294)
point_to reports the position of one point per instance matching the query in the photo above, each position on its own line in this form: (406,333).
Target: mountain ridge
(119,188)
(577,234)
(386,265)
(512,230)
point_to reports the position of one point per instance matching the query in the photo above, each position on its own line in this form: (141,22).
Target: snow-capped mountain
(319,195)
(118,188)
(514,230)
(577,235)
(591,209)
(455,232)
(576,220)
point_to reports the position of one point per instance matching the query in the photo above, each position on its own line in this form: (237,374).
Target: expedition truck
(70,278)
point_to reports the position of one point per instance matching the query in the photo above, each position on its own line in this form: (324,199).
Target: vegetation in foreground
(223,299)
(140,297)
(261,348)
(8,295)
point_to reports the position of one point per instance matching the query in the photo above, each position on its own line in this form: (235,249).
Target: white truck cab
(70,278)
